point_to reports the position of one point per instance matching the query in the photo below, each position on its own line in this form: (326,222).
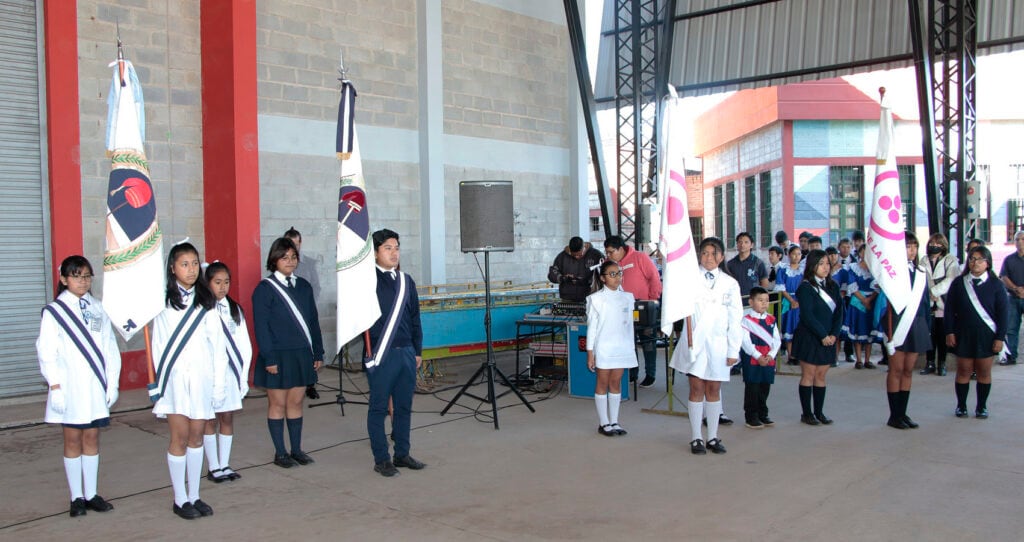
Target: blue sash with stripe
(234,355)
(79,335)
(163,371)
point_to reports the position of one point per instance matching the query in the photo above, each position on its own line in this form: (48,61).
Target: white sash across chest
(910,312)
(972,294)
(295,310)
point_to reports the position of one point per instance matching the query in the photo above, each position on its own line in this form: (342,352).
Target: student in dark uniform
(814,341)
(975,324)
(396,341)
(907,339)
(291,349)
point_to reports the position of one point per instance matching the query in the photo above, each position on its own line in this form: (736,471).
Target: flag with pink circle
(885,239)
(676,240)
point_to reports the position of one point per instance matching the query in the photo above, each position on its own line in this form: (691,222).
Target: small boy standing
(761,342)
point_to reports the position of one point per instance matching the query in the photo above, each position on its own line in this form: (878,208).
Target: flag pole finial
(881,92)
(341,66)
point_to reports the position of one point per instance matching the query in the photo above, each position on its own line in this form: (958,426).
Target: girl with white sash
(291,349)
(909,338)
(217,443)
(975,323)
(81,364)
(191,366)
(814,342)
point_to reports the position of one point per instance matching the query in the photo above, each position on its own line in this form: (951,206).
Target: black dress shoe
(910,423)
(386,469)
(809,420)
(302,458)
(311,392)
(960,412)
(715,445)
(284,461)
(606,430)
(203,508)
(1008,361)
(697,447)
(230,473)
(981,414)
(724,420)
(897,423)
(217,476)
(78,508)
(825,420)
(941,371)
(765,420)
(186,511)
(928,369)
(618,429)
(409,462)
(97,504)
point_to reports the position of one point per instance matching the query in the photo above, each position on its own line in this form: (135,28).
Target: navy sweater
(408,332)
(273,324)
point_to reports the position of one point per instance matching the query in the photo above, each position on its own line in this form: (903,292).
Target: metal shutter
(23,224)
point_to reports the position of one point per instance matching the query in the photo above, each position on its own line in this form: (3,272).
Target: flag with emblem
(885,240)
(680,271)
(133,268)
(357,279)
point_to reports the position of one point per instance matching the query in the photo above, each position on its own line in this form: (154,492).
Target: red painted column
(231,183)
(787,179)
(60,23)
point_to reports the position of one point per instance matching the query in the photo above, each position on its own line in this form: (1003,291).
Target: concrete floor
(549,476)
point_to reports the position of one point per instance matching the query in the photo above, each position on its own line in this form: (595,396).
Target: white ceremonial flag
(358,308)
(133,264)
(680,272)
(886,243)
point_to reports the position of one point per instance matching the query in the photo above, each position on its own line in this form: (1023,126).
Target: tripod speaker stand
(488,369)
(340,399)
(485,213)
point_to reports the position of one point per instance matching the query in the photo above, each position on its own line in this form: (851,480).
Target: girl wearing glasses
(610,345)
(975,325)
(79,359)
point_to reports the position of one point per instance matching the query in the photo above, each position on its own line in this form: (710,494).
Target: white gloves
(244,390)
(111,396)
(219,396)
(57,403)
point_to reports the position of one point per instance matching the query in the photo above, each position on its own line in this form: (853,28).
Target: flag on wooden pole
(133,268)
(886,242)
(680,271)
(357,278)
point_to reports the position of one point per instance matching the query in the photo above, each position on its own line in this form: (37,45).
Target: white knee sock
(210,445)
(90,472)
(713,411)
(602,408)
(73,470)
(224,445)
(194,471)
(696,412)
(176,466)
(613,407)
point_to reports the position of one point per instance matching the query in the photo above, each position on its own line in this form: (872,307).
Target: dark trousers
(755,400)
(394,378)
(938,350)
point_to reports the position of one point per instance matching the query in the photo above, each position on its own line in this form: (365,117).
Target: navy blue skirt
(294,369)
(95,424)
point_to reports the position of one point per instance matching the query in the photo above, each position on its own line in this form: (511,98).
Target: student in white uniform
(239,350)
(611,346)
(717,336)
(81,364)
(191,366)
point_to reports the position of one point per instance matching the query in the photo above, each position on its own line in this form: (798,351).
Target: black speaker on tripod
(486,225)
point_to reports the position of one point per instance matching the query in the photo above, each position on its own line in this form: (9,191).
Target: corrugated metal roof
(723,45)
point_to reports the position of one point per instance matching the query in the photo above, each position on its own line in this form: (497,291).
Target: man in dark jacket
(575,269)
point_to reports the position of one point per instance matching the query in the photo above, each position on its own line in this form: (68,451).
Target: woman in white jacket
(943,269)
(80,361)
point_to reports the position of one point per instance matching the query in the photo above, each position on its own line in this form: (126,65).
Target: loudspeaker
(485,212)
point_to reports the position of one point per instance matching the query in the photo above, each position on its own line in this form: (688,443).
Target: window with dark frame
(846,200)
(907,183)
(730,215)
(719,211)
(750,189)
(767,239)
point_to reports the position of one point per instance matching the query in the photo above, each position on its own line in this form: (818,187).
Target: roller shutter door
(23,224)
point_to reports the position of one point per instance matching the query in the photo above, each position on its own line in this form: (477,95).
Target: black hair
(976,241)
(575,244)
(857,236)
(911,237)
(804,235)
(381,236)
(831,250)
(844,240)
(278,249)
(201,293)
(985,253)
(777,249)
(72,266)
(756,290)
(781,236)
(213,269)
(813,258)
(719,246)
(605,265)
(814,239)
(794,247)
(293,234)
(614,242)
(744,234)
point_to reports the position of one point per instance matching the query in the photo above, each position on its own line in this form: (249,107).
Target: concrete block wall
(505,75)
(161,38)
(763,146)
(721,162)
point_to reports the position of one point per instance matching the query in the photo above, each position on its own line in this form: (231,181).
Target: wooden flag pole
(149,355)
